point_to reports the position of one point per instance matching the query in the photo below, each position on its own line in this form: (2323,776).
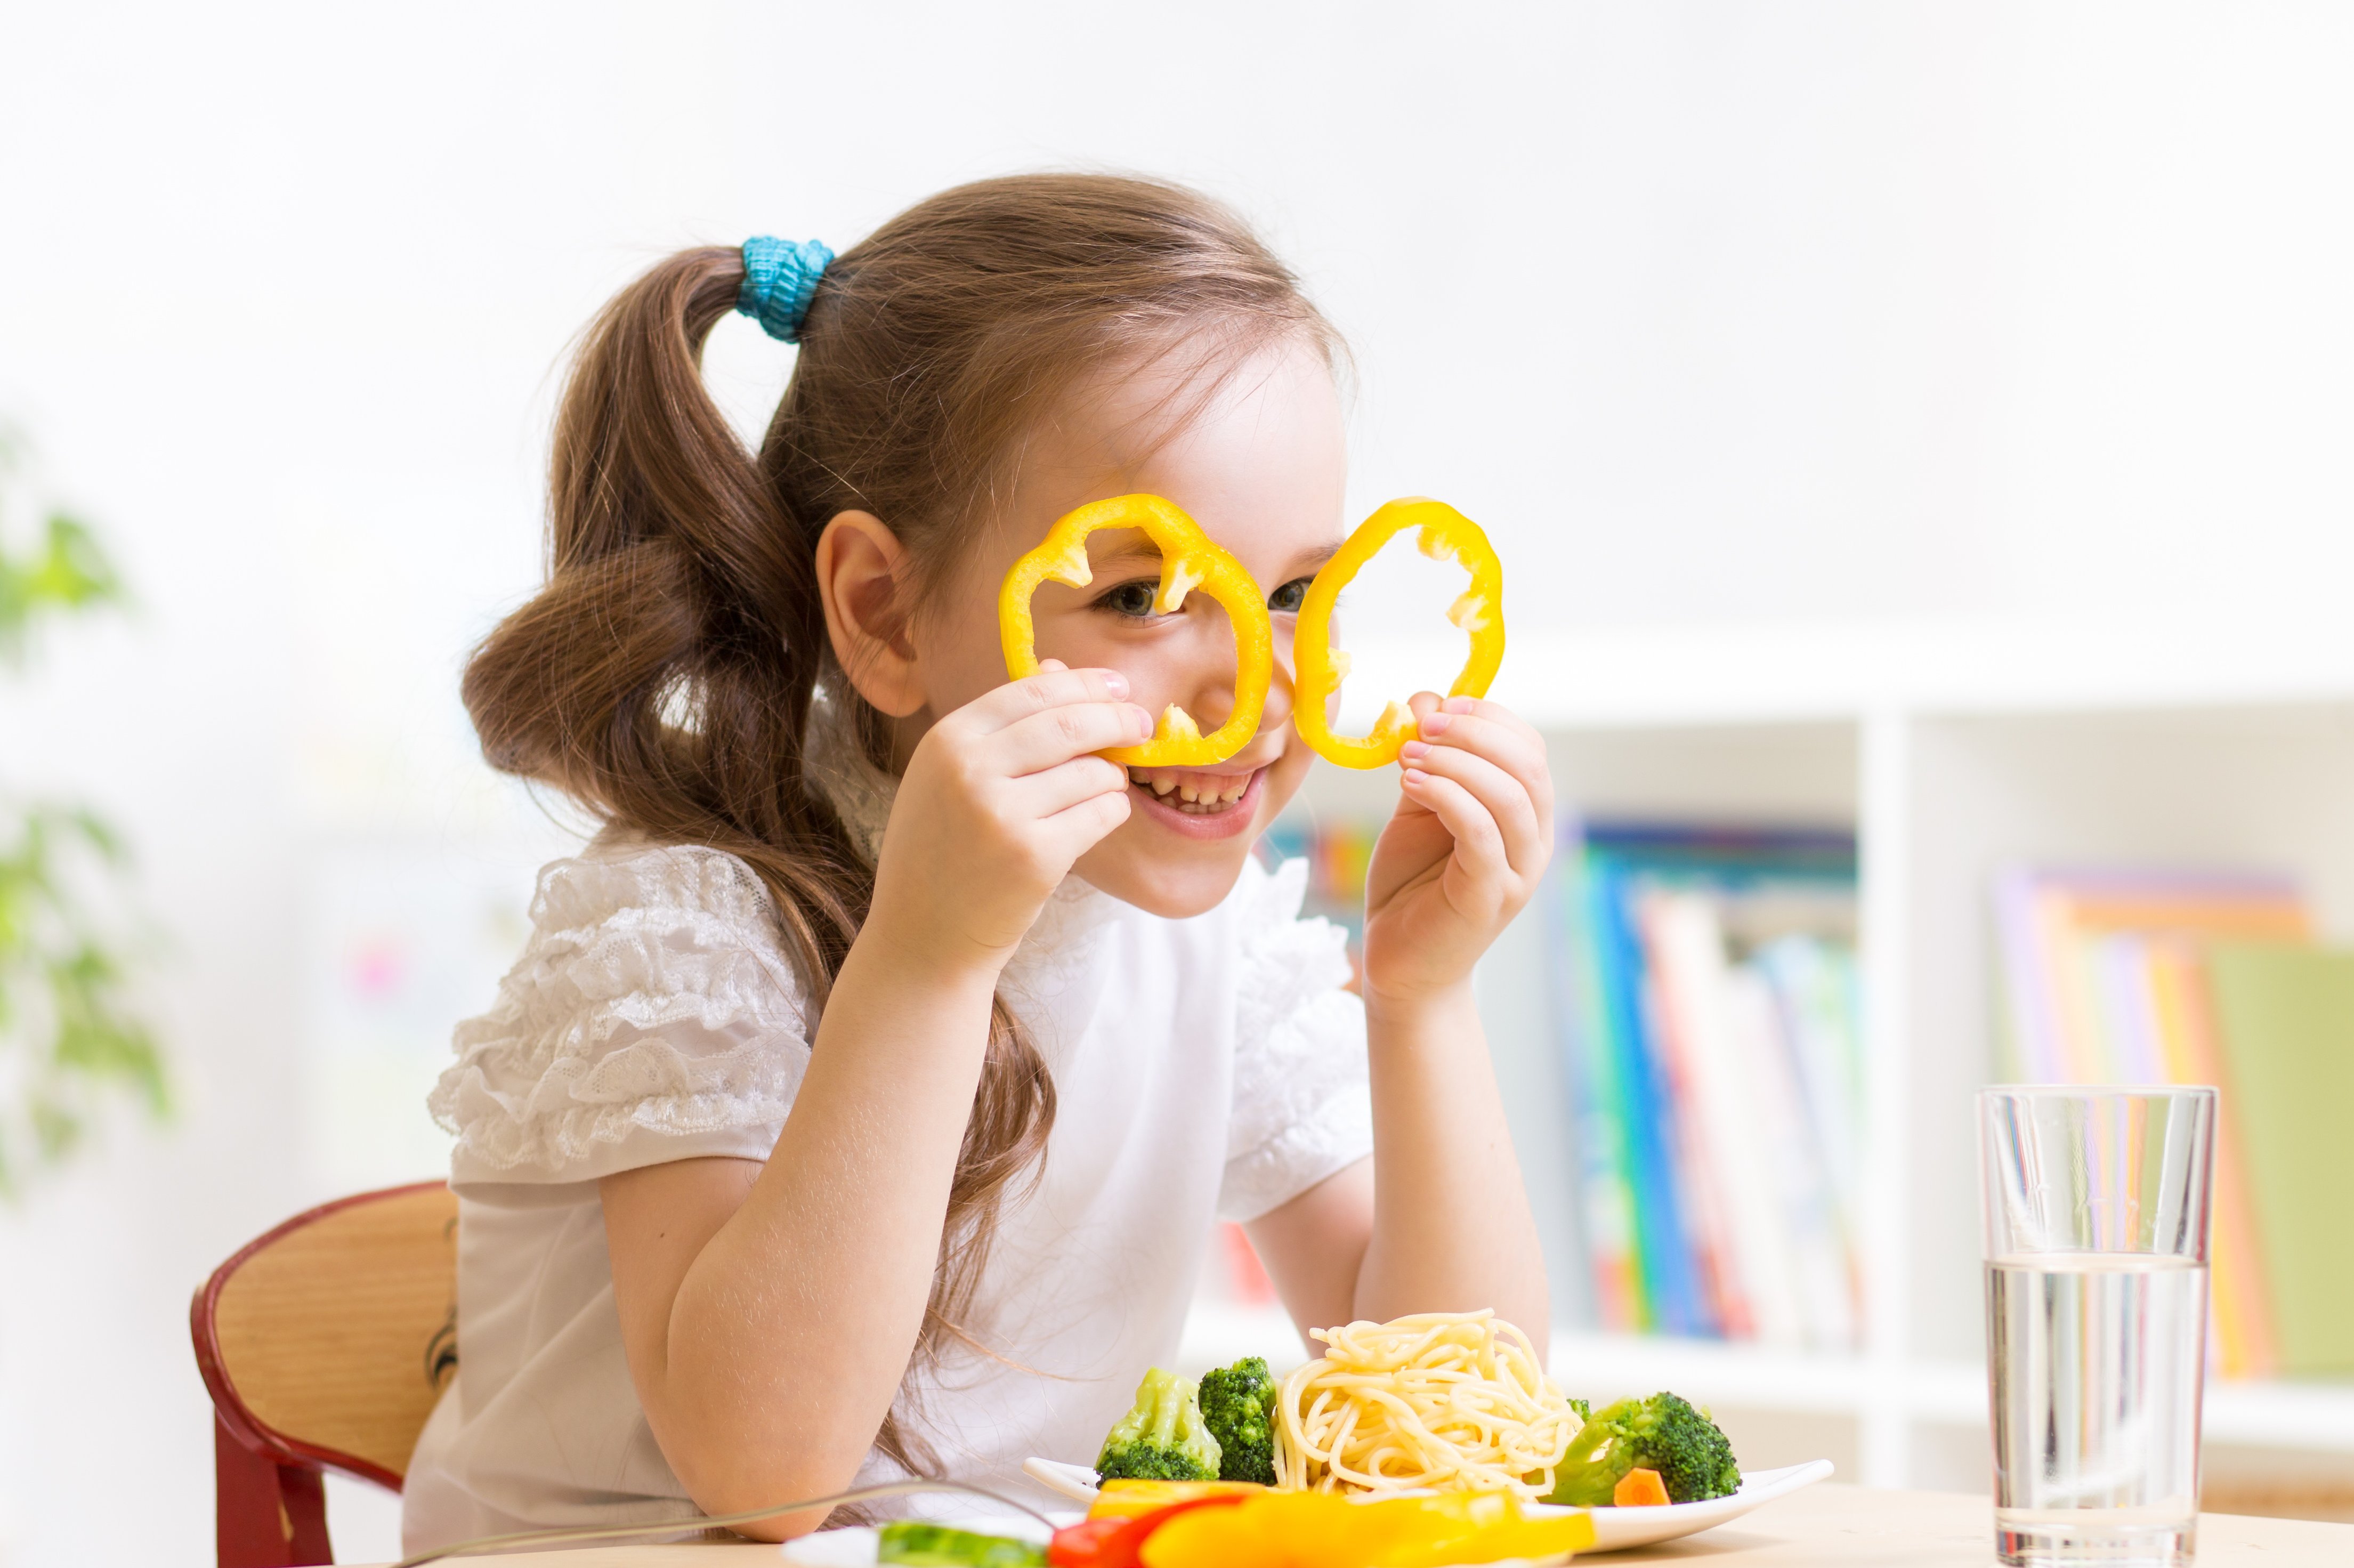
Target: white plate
(1614,1528)
(1617,1528)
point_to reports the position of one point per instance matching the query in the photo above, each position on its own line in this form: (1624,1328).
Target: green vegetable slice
(939,1546)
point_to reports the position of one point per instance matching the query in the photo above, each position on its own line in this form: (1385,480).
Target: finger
(1496,733)
(1516,749)
(1055,789)
(1478,846)
(1501,795)
(1051,738)
(1017,700)
(1078,828)
(1495,711)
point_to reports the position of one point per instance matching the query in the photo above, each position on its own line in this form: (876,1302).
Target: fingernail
(1432,724)
(1414,751)
(1143,723)
(1460,704)
(1416,776)
(1115,683)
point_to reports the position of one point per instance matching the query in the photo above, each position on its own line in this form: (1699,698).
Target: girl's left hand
(1465,851)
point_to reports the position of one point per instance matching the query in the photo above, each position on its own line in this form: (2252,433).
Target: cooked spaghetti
(1452,1400)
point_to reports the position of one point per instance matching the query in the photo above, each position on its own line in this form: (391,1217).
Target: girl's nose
(1212,699)
(1279,686)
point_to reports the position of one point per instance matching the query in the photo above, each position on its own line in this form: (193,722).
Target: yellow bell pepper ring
(1189,561)
(1447,533)
(1323,1530)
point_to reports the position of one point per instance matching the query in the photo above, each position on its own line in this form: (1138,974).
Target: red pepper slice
(1114,1541)
(1082,1545)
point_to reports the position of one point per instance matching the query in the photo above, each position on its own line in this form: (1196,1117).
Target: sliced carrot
(1639,1488)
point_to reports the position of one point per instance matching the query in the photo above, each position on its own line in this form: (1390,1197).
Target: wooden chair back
(324,1344)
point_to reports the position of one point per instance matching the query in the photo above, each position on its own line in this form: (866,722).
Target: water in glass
(2095,1383)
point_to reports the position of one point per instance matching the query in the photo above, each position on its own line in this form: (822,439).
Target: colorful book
(2105,982)
(1707,1008)
(2049,922)
(2244,1342)
(1668,1231)
(1719,1028)
(1811,982)
(1605,1195)
(2285,1017)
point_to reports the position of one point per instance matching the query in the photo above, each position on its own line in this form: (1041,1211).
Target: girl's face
(1261,466)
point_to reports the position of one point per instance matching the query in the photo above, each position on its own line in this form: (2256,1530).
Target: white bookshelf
(1950,750)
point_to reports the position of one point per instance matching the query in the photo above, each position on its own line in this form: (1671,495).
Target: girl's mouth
(1198,804)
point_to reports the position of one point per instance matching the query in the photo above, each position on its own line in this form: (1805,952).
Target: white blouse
(1204,1069)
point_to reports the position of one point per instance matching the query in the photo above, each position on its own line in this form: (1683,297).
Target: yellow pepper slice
(1283,1529)
(1125,1496)
(1189,560)
(1488,1527)
(1479,611)
(1323,1530)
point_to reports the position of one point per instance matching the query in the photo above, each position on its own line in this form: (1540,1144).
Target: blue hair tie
(779,278)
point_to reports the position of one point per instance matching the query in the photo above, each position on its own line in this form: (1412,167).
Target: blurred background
(1916,434)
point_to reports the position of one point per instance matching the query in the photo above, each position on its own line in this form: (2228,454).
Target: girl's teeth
(1198,793)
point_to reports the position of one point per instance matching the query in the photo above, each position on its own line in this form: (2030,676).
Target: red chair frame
(270,1499)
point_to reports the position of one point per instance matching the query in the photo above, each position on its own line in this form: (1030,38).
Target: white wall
(1711,314)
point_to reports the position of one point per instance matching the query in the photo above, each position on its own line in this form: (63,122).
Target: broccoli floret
(1163,1437)
(1238,1407)
(1663,1433)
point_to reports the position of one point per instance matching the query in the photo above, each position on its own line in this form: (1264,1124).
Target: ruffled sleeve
(1302,1107)
(653,1017)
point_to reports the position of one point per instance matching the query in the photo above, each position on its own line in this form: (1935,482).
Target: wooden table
(1824,1525)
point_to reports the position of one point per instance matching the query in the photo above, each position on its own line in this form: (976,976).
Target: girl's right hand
(1000,798)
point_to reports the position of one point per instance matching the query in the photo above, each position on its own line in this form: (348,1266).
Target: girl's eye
(1133,599)
(1288,599)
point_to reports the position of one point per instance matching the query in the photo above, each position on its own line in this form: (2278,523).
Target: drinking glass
(2095,1203)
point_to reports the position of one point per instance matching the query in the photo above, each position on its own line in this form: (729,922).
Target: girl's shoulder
(651,1016)
(619,874)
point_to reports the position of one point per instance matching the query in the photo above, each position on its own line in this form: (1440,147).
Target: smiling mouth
(1192,793)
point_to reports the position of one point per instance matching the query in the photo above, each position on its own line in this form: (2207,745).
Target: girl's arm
(769,1311)
(1439,1220)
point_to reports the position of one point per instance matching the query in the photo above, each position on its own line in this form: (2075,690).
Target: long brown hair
(663,677)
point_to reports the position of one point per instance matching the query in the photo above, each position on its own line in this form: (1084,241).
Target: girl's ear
(859,562)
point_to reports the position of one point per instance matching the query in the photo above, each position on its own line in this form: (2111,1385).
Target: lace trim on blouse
(1302,1107)
(652,996)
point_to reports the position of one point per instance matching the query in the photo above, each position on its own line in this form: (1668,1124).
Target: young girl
(865,1096)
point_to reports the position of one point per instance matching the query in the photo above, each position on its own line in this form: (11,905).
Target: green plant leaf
(71,1038)
(68,571)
